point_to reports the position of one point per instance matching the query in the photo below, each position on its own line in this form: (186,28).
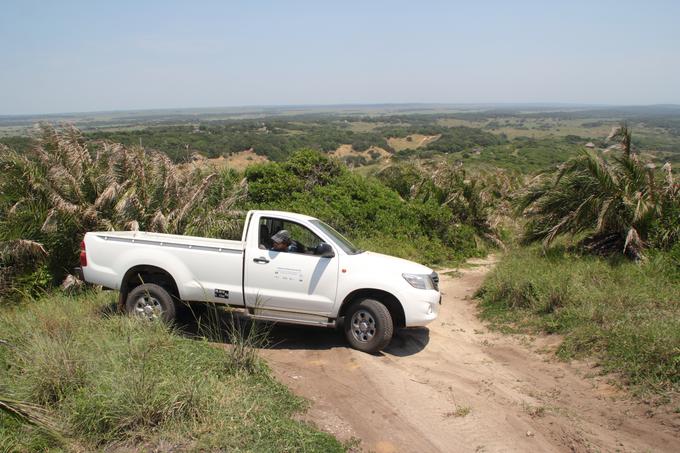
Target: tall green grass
(222,324)
(113,381)
(625,313)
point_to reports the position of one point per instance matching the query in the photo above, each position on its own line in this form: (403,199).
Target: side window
(285,236)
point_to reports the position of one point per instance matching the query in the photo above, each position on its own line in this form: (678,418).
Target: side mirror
(324,250)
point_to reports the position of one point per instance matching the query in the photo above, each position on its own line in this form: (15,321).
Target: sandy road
(458,387)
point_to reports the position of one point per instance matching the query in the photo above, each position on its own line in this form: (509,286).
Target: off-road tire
(151,301)
(368,326)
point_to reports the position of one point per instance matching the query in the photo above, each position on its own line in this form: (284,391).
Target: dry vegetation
(62,188)
(371,153)
(237,161)
(413,141)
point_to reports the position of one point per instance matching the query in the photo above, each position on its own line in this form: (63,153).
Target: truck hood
(390,264)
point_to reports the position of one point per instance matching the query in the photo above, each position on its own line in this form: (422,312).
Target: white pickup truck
(308,274)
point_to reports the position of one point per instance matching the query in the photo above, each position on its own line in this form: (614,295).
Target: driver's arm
(295,247)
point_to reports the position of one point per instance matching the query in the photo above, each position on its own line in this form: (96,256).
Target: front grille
(435,280)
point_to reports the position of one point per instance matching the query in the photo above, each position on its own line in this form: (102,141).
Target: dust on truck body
(318,278)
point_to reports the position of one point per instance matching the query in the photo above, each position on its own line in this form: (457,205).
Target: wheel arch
(146,273)
(390,301)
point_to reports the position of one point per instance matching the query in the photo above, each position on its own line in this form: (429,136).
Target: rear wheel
(150,301)
(368,326)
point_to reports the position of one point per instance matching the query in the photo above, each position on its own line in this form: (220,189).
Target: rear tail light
(83,255)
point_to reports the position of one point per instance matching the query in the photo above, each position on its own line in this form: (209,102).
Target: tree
(615,202)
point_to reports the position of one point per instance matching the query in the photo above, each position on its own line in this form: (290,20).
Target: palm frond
(21,250)
(615,201)
(35,415)
(177,218)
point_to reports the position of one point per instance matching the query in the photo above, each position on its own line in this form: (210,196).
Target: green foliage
(459,138)
(363,208)
(304,171)
(22,269)
(220,324)
(625,313)
(665,229)
(471,199)
(118,382)
(451,140)
(526,155)
(18,143)
(275,138)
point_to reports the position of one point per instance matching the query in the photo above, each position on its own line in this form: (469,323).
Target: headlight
(420,281)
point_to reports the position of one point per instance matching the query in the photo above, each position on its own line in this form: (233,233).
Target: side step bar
(291,321)
(248,313)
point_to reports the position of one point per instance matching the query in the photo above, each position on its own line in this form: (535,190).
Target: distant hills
(182,115)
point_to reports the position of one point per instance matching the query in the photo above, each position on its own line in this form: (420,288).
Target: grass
(459,412)
(112,382)
(623,313)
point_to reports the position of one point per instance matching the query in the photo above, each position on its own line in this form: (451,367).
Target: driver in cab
(282,242)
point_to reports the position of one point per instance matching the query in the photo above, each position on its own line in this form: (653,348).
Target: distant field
(363,126)
(413,141)
(520,137)
(537,128)
(238,161)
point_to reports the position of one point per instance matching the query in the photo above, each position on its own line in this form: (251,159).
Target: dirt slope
(348,150)
(413,141)
(458,387)
(238,161)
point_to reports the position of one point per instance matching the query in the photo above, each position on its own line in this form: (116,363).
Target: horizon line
(225,108)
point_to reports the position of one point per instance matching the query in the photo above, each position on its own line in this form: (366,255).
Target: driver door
(299,286)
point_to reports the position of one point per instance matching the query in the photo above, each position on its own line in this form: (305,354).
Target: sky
(78,56)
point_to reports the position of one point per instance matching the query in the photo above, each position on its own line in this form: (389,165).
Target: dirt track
(458,387)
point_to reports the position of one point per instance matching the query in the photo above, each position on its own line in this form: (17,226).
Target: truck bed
(170,239)
(204,269)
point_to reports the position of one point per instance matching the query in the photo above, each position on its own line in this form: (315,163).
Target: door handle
(261,260)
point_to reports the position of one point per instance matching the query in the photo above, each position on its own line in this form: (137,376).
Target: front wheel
(150,301)
(368,326)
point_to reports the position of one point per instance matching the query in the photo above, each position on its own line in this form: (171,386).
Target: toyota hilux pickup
(287,268)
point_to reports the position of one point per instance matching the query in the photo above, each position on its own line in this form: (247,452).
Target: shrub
(464,204)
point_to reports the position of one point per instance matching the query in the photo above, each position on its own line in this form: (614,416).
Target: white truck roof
(285,214)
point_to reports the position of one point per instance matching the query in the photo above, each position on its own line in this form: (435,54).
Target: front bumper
(422,307)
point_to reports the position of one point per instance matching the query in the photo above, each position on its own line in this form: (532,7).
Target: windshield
(338,238)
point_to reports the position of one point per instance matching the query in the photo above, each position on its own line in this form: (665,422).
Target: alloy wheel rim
(148,307)
(363,326)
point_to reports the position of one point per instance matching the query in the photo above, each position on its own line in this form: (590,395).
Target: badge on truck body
(222,293)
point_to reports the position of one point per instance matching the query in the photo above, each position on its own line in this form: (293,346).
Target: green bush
(364,208)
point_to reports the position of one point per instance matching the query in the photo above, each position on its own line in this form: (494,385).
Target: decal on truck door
(285,273)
